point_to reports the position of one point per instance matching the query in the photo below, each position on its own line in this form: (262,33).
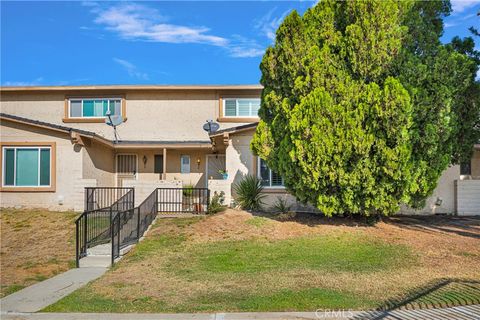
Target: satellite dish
(114,120)
(211,127)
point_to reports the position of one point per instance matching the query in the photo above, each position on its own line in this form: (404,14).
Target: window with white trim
(93,107)
(26,166)
(185,163)
(241,107)
(269,178)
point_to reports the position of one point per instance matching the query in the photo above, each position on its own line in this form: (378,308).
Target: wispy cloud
(245,48)
(138,22)
(131,69)
(269,23)
(34,82)
(459,6)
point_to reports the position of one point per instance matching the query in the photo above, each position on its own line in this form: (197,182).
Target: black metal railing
(103,197)
(123,224)
(94,226)
(183,200)
(130,225)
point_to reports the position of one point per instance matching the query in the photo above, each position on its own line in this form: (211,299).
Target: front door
(127,168)
(215,163)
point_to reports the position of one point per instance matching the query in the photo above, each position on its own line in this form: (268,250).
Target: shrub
(249,193)
(188,190)
(283,209)
(217,203)
(281,206)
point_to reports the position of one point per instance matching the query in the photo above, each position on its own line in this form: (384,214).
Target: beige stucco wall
(68,170)
(151,115)
(196,177)
(98,163)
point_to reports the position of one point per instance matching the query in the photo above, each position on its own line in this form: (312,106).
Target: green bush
(187,190)
(249,193)
(217,203)
(281,206)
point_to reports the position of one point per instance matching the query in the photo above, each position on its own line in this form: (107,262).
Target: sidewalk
(464,313)
(45,293)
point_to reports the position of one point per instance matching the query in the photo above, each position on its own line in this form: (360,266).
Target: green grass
(240,260)
(345,253)
(257,221)
(6,290)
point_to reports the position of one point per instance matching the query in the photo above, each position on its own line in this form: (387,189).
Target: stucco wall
(69,182)
(476,164)
(196,177)
(152,115)
(99,164)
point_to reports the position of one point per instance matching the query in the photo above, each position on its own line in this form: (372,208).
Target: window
(94,107)
(27,166)
(241,107)
(269,178)
(158,164)
(185,164)
(466,168)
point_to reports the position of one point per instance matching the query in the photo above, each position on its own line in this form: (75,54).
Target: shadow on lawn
(464,226)
(443,293)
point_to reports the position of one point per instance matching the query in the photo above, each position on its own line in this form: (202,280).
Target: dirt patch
(34,245)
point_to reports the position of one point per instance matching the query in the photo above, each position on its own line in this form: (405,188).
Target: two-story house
(55,142)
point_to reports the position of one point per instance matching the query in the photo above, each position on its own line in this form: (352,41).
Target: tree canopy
(363,107)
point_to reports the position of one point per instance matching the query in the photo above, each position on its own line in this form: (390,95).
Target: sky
(152,42)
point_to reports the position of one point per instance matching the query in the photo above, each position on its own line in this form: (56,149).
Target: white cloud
(242,47)
(138,22)
(131,69)
(269,23)
(459,6)
(34,82)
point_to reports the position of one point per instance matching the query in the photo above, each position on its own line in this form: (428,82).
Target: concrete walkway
(458,313)
(45,293)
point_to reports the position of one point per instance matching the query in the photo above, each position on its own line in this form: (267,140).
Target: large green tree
(360,104)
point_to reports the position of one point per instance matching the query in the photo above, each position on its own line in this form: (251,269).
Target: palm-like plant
(249,193)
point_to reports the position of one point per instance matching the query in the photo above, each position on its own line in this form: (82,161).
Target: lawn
(238,262)
(35,245)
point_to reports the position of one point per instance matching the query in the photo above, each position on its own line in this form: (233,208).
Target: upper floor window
(241,107)
(269,178)
(94,107)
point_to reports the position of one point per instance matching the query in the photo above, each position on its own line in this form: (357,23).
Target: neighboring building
(55,143)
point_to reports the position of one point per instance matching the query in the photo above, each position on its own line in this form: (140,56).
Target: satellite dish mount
(114,121)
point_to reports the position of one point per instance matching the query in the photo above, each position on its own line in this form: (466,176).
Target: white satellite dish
(113,121)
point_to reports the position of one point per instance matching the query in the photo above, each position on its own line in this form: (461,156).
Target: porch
(181,165)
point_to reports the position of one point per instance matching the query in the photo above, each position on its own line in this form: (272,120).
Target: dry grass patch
(236,261)
(35,245)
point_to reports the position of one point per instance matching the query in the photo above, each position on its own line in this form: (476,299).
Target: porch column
(164,175)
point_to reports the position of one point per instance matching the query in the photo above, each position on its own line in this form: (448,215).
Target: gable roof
(111,143)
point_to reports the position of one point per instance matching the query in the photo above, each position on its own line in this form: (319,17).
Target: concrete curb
(471,312)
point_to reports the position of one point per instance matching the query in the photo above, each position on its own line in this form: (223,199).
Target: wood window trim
(53,167)
(66,115)
(223,118)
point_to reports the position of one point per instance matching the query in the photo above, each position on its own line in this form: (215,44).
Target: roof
(111,143)
(133,87)
(243,127)
(45,124)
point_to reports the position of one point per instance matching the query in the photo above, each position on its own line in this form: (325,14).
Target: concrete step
(95,261)
(100,250)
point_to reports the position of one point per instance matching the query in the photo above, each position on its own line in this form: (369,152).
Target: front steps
(101,256)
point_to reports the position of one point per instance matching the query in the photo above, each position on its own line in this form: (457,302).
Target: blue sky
(221,42)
